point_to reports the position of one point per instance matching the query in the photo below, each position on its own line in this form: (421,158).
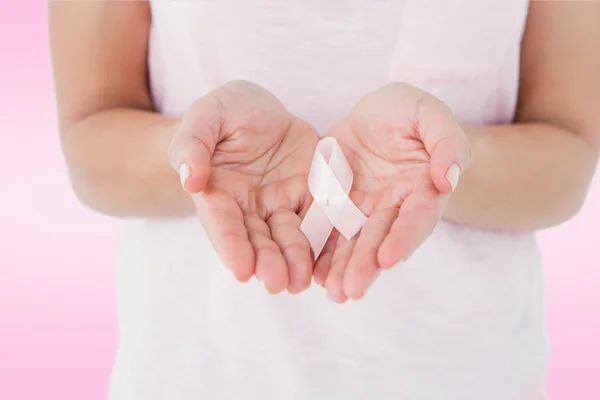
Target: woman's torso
(462,319)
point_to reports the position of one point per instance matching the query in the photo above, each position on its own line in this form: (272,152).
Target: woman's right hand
(245,160)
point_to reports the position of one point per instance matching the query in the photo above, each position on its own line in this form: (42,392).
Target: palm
(393,186)
(256,192)
(382,180)
(254,205)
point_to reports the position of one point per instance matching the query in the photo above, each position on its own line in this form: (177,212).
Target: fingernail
(452,175)
(184,174)
(317,283)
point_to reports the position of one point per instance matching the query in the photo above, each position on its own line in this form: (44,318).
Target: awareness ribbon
(329,183)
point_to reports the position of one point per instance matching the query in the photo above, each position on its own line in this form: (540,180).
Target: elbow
(569,209)
(91,193)
(589,165)
(565,207)
(89,180)
(580,200)
(586,153)
(577,192)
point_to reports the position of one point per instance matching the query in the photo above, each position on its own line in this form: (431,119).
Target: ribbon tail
(317,228)
(347,218)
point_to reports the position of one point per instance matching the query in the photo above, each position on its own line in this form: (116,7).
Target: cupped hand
(245,160)
(407,151)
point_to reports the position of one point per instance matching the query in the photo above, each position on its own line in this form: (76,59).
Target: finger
(418,216)
(363,267)
(445,141)
(223,221)
(194,143)
(449,158)
(270,263)
(285,230)
(335,279)
(323,263)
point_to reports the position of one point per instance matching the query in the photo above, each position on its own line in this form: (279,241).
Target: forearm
(522,177)
(117,161)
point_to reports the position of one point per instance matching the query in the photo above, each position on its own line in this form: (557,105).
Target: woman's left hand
(407,151)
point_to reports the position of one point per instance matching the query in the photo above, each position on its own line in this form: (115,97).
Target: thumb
(445,141)
(449,158)
(194,143)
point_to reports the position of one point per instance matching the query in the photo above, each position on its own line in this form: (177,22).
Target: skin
(535,173)
(528,175)
(532,174)
(245,159)
(400,142)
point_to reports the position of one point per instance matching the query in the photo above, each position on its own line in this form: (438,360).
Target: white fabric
(463,319)
(329,181)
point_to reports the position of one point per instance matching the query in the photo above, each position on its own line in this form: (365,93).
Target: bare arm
(535,173)
(114,144)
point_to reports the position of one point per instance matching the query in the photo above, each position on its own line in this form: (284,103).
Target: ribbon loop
(329,183)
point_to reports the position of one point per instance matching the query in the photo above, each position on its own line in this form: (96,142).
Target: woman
(229,98)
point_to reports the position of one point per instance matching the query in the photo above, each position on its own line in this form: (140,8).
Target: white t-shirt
(463,319)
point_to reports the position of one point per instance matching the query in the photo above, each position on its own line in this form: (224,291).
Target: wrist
(480,143)
(176,193)
(471,176)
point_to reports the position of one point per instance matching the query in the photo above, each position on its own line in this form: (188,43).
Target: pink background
(57,300)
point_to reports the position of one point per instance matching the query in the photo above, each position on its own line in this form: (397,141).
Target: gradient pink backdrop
(57,300)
